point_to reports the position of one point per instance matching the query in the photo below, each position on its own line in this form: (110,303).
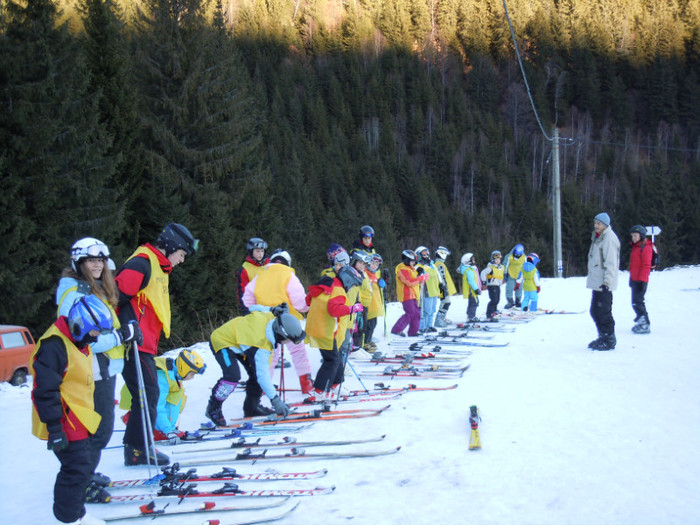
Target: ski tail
(474,439)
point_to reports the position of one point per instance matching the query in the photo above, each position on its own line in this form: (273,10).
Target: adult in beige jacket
(603,267)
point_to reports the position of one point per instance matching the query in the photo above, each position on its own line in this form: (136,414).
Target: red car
(16,346)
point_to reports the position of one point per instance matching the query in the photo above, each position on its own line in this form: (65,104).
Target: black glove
(604,288)
(57,439)
(420,270)
(281,408)
(131,332)
(443,290)
(279,309)
(387,275)
(478,291)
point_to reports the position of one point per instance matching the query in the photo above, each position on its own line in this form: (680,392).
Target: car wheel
(19,377)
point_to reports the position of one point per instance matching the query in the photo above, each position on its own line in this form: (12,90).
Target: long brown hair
(106,288)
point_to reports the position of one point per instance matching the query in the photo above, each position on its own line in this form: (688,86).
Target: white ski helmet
(281,256)
(86,248)
(467,259)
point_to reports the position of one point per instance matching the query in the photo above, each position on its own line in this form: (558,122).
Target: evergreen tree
(55,160)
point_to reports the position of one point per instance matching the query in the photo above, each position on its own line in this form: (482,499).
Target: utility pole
(558,263)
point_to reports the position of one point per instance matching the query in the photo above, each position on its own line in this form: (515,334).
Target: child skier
(471,285)
(493,275)
(447,287)
(531,283)
(376,306)
(62,401)
(408,281)
(640,267)
(430,291)
(513,265)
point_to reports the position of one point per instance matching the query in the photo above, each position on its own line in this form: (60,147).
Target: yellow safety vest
(322,328)
(156,293)
(515,266)
(248,330)
(77,389)
(271,287)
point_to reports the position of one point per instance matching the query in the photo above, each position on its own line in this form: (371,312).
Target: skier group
(109,324)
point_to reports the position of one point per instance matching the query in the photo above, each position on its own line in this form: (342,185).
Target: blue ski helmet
(89,313)
(533,258)
(518,250)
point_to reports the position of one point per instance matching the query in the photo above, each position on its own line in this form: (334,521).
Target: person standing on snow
(493,276)
(447,287)
(143,283)
(63,411)
(640,267)
(328,320)
(376,306)
(430,292)
(471,285)
(254,262)
(276,284)
(87,274)
(250,341)
(531,283)
(408,281)
(603,265)
(513,266)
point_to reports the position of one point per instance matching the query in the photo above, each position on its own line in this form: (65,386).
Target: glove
(279,309)
(443,289)
(420,270)
(484,287)
(356,308)
(381,283)
(604,288)
(478,291)
(281,408)
(517,286)
(131,332)
(57,439)
(538,289)
(175,437)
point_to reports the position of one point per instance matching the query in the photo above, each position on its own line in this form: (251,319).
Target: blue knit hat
(603,218)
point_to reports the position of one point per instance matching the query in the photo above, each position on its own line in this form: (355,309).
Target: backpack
(654,255)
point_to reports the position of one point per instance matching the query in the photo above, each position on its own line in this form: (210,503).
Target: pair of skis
(151,511)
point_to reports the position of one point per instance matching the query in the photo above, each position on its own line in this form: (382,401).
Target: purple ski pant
(410,318)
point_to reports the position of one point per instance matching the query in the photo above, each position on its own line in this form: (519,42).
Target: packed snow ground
(569,436)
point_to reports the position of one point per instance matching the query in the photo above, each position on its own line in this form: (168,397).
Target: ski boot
(95,493)
(214,412)
(607,342)
(135,456)
(253,408)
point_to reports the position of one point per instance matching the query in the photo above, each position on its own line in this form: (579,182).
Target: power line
(522,70)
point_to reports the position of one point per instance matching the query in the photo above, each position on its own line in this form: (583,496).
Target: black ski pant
(494,298)
(331,370)
(133,436)
(639,289)
(72,481)
(369,329)
(253,390)
(601,312)
(104,406)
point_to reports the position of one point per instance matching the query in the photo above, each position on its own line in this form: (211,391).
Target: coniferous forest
(299,121)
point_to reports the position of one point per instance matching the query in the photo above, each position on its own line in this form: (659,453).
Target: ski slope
(569,436)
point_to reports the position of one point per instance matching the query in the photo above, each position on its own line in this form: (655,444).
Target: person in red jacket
(640,267)
(143,283)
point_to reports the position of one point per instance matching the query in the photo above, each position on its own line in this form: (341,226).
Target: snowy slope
(569,436)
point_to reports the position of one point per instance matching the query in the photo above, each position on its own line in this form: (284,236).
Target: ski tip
(398,448)
(382,436)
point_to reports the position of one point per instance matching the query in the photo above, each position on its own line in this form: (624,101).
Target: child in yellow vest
(531,283)
(62,401)
(493,276)
(447,287)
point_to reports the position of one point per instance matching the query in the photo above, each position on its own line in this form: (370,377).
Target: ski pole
(145,415)
(357,376)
